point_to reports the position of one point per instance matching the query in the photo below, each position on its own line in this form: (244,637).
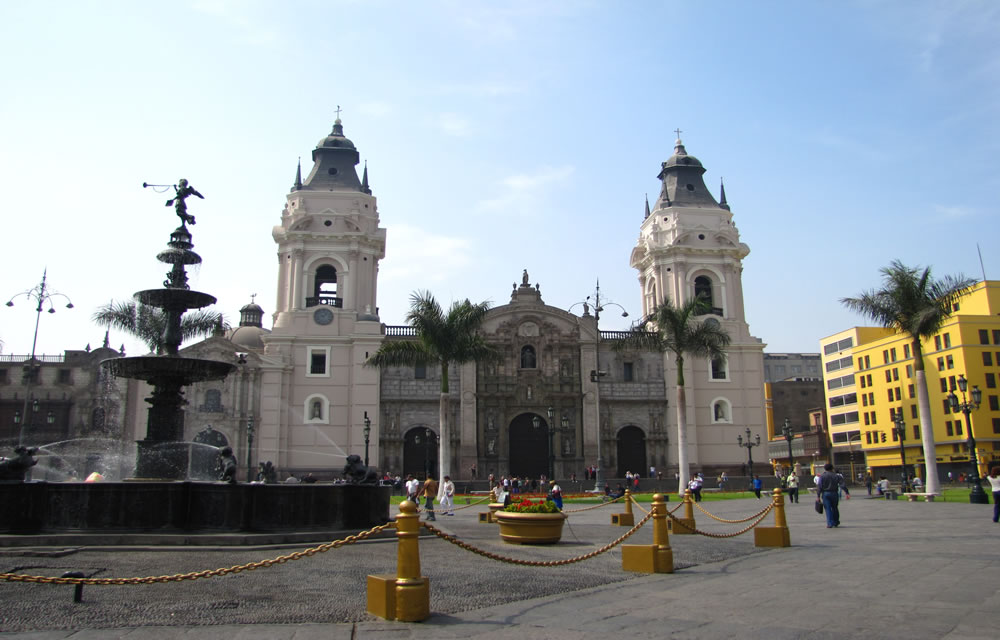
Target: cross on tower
(678,132)
(253,298)
(338,112)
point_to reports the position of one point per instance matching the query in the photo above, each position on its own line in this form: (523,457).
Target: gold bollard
(686,525)
(626,519)
(405,596)
(778,535)
(652,558)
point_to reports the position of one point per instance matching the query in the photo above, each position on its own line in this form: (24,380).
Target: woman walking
(994,479)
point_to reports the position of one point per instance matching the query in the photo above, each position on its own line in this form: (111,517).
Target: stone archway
(529,446)
(420,452)
(632,451)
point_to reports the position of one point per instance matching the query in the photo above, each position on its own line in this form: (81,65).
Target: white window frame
(309,355)
(729,410)
(307,410)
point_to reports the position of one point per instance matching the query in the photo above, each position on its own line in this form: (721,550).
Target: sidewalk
(894,569)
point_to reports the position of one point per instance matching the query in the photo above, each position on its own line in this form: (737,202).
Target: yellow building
(879,365)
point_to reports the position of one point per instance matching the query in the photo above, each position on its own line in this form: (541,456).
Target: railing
(620,335)
(10,357)
(325,301)
(400,330)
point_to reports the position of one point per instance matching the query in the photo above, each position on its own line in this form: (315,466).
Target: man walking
(793,487)
(829,492)
(430,491)
(447,497)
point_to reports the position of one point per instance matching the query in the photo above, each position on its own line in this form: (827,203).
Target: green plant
(532,506)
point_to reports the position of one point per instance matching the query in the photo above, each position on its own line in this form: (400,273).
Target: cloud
(453,124)
(523,193)
(954,212)
(414,250)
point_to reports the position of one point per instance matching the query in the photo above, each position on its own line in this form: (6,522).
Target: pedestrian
(757,486)
(430,491)
(555,492)
(446,496)
(829,487)
(695,486)
(868,483)
(793,488)
(843,486)
(723,481)
(994,479)
(412,486)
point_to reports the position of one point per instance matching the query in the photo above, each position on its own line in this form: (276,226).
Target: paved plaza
(894,569)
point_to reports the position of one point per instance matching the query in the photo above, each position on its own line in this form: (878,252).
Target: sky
(499,136)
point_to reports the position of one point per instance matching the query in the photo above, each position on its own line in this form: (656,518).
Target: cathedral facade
(560,399)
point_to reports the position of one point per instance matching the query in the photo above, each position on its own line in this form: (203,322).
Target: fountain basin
(174,298)
(38,508)
(164,368)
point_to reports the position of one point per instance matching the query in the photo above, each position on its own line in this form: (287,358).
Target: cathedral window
(528,357)
(325,288)
(719,369)
(317,361)
(703,289)
(420,370)
(628,372)
(213,401)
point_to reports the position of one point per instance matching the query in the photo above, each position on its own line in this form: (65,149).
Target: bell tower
(326,321)
(690,247)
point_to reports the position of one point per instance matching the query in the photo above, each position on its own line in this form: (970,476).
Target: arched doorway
(632,451)
(420,452)
(529,446)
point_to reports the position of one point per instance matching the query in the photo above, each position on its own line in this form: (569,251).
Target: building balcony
(326,301)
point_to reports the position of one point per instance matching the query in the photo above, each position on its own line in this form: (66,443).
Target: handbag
(819,506)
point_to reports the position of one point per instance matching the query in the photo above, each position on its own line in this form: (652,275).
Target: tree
(148,323)
(445,339)
(677,330)
(912,302)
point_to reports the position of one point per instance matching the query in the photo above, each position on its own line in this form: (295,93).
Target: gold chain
(748,519)
(594,506)
(680,523)
(194,575)
(534,563)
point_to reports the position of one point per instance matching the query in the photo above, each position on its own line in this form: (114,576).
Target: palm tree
(677,330)
(445,339)
(148,323)
(912,302)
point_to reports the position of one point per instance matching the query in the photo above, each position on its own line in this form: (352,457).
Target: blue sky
(499,136)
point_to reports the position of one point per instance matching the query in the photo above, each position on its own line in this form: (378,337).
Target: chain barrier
(534,563)
(680,523)
(747,519)
(194,575)
(593,506)
(670,511)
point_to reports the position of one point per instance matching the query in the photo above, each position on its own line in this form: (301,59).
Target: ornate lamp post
(900,430)
(749,445)
(977,496)
(427,451)
(536,422)
(40,294)
(786,431)
(367,431)
(250,428)
(597,374)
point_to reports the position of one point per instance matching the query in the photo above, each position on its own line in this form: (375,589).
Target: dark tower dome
(683,184)
(251,331)
(334,159)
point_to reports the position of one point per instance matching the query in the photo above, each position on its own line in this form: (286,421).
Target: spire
(364,181)
(298,176)
(107,339)
(722,199)
(338,126)
(647,207)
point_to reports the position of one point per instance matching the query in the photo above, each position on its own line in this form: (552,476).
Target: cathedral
(559,401)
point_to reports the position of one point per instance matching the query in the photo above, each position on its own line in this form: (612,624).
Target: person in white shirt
(412,487)
(446,497)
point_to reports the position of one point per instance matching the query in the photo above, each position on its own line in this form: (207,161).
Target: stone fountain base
(36,510)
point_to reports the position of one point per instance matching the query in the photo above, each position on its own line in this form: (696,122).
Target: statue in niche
(529,392)
(524,278)
(490,424)
(491,447)
(317,410)
(567,446)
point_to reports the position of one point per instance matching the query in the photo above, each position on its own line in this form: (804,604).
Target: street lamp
(367,431)
(536,422)
(900,430)
(597,374)
(427,451)
(789,436)
(250,428)
(749,445)
(40,294)
(977,496)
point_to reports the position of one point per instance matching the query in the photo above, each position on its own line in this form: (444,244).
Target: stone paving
(893,570)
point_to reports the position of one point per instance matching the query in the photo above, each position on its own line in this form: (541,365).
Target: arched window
(719,369)
(528,357)
(703,290)
(325,290)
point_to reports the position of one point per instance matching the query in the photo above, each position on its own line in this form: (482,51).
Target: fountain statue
(163,454)
(14,469)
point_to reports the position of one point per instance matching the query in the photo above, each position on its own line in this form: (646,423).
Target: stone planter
(530,528)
